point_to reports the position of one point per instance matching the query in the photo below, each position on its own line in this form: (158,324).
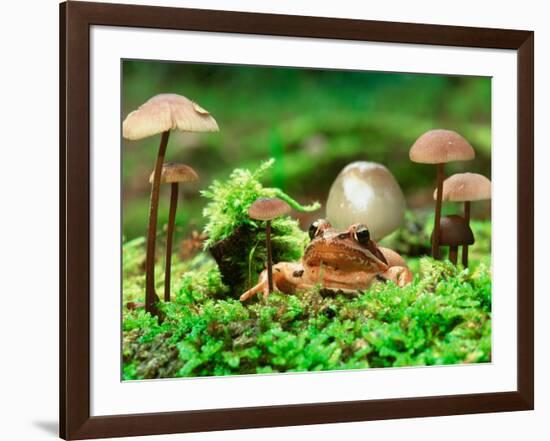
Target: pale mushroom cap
(455,231)
(439,146)
(366,193)
(265,209)
(465,187)
(167,112)
(172,173)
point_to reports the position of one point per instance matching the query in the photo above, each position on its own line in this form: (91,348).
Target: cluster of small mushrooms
(160,115)
(439,147)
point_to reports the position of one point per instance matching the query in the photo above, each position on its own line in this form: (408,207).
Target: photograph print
(286,220)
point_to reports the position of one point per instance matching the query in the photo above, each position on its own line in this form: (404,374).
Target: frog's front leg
(400,275)
(286,276)
(398,270)
(261,286)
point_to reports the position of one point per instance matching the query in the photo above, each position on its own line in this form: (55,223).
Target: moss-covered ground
(443,317)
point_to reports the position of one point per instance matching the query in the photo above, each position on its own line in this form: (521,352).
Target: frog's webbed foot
(400,275)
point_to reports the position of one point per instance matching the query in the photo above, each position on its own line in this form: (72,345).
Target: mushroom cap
(172,173)
(366,193)
(439,146)
(167,111)
(465,187)
(455,231)
(265,209)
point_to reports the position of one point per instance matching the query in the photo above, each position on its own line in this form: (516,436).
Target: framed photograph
(274,220)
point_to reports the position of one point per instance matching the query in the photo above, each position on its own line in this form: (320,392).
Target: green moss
(230,200)
(236,240)
(443,317)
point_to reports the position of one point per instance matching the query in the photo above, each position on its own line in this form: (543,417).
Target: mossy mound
(443,317)
(236,241)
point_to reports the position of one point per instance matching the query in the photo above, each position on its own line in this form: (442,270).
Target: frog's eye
(313,230)
(363,235)
(317,228)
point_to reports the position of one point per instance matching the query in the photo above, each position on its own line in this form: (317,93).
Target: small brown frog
(337,260)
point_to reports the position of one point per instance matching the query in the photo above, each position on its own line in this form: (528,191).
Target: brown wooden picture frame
(75,21)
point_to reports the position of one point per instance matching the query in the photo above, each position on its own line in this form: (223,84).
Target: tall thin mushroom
(465,187)
(267,209)
(161,114)
(172,174)
(455,232)
(439,147)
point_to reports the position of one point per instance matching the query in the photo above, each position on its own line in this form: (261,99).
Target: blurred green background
(313,122)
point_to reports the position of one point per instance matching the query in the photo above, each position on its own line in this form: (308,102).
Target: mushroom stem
(436,235)
(169,239)
(269,259)
(453,254)
(150,295)
(465,247)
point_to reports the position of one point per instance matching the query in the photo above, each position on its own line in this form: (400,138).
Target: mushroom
(455,232)
(172,174)
(465,187)
(366,193)
(267,209)
(161,114)
(438,147)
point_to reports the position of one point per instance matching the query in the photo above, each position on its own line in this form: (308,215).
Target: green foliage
(443,317)
(197,286)
(227,216)
(230,200)
(314,122)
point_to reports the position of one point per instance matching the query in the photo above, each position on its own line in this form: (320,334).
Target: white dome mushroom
(367,193)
